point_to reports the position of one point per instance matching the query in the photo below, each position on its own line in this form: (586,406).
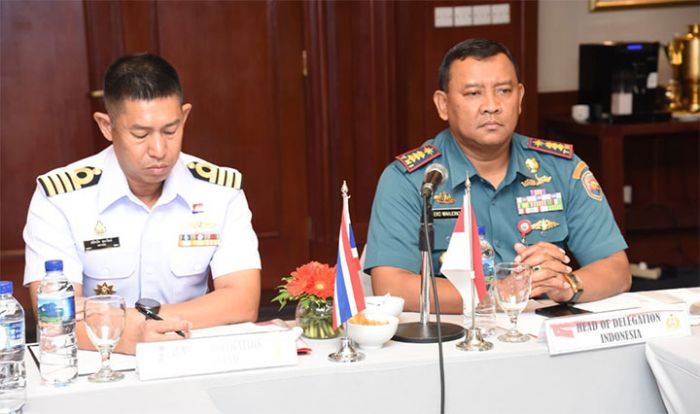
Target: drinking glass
(512,287)
(105,317)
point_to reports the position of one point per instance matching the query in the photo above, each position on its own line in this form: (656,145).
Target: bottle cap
(482,230)
(53,265)
(5,287)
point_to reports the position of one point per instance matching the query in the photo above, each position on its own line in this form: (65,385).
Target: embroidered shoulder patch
(578,171)
(227,177)
(418,157)
(559,149)
(68,181)
(590,184)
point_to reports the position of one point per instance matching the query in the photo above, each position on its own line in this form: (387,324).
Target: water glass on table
(105,317)
(512,286)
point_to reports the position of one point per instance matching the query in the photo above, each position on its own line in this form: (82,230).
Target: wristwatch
(576,285)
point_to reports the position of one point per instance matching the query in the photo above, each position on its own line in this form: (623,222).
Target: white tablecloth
(399,378)
(676,366)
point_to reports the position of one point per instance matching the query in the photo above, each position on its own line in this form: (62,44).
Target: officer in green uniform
(536,198)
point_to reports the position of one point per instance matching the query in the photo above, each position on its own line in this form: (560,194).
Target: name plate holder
(216,354)
(615,328)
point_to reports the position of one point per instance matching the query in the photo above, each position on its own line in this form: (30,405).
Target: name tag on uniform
(198,240)
(445,213)
(539,201)
(98,244)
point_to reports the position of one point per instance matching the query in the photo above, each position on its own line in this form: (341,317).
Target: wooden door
(241,68)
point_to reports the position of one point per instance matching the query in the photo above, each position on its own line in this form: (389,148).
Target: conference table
(398,378)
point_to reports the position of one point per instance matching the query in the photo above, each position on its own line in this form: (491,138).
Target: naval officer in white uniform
(141,219)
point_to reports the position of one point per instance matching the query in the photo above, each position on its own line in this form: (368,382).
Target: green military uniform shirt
(546,183)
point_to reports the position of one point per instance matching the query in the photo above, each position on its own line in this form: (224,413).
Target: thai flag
(462,264)
(348,297)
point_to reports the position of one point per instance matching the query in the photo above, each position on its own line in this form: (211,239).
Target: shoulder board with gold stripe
(559,149)
(226,177)
(68,181)
(418,157)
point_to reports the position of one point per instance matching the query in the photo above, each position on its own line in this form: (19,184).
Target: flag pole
(346,352)
(473,341)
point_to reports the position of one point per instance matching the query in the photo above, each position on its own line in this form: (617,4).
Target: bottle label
(12,335)
(56,310)
(488,270)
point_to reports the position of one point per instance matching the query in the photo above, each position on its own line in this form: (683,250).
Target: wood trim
(528,66)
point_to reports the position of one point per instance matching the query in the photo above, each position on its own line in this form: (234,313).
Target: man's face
(482,102)
(147,138)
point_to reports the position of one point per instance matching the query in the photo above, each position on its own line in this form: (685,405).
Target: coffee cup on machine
(580,112)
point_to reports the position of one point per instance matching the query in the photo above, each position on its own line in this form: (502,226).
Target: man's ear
(104,123)
(186,108)
(440,100)
(521,89)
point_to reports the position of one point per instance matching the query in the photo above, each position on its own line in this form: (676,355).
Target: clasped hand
(549,264)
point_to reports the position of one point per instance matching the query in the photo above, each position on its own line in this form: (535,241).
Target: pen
(149,314)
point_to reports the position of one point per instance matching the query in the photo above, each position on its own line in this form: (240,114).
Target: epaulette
(68,181)
(227,177)
(559,149)
(418,157)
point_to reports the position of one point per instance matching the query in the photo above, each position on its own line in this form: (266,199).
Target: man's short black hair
(474,48)
(142,76)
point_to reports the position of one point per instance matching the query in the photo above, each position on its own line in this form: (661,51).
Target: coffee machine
(618,80)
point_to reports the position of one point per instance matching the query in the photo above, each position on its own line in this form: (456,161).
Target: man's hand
(549,263)
(138,329)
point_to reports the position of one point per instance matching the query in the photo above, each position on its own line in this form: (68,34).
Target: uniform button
(105,271)
(148,270)
(195,267)
(493,203)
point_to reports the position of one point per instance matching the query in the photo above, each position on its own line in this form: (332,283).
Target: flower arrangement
(312,285)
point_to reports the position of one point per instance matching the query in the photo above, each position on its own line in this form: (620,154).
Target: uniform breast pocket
(116,263)
(191,261)
(190,269)
(549,228)
(110,271)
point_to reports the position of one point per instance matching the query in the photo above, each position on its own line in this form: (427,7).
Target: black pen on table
(149,314)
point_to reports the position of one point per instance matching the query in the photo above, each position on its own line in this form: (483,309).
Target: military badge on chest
(100,242)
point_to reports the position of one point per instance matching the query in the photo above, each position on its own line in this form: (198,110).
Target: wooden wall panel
(421,47)
(351,97)
(44,113)
(373,70)
(240,65)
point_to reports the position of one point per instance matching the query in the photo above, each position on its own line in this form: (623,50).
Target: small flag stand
(348,296)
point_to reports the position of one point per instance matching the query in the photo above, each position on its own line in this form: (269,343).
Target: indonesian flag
(348,297)
(462,264)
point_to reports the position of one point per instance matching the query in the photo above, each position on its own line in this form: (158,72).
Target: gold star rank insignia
(559,149)
(104,289)
(418,157)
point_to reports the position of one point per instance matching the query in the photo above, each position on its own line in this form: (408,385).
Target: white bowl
(385,305)
(373,336)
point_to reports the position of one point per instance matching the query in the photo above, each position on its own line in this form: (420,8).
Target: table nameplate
(616,328)
(215,354)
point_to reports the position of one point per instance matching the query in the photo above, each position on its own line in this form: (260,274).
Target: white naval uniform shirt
(150,261)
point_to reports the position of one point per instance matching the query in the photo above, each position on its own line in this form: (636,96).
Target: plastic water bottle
(13,379)
(58,347)
(486,309)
